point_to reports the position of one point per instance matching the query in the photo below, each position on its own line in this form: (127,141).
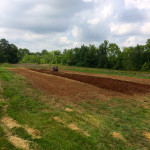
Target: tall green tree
(146,56)
(127,55)
(83,54)
(147,51)
(4,48)
(102,54)
(56,56)
(13,54)
(91,58)
(137,57)
(77,56)
(69,57)
(114,56)
(8,52)
(22,52)
(44,52)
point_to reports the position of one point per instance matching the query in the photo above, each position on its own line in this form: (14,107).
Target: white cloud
(134,40)
(100,14)
(146,29)
(107,11)
(59,24)
(75,31)
(64,40)
(140,4)
(76,44)
(93,21)
(123,29)
(130,41)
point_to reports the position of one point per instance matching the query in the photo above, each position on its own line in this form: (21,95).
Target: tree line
(107,55)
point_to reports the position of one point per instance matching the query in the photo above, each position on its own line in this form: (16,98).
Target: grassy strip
(95,121)
(4,143)
(7,65)
(114,72)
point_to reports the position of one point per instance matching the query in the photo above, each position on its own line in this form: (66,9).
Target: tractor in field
(54,68)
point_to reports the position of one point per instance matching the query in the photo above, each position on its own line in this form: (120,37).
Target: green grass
(98,118)
(7,65)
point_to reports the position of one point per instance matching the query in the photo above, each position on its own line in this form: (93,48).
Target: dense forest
(107,55)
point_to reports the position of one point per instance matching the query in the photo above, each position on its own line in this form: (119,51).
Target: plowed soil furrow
(63,88)
(126,87)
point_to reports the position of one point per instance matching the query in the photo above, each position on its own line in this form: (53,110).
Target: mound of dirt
(126,87)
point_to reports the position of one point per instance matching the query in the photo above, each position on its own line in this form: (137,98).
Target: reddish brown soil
(118,77)
(126,87)
(72,90)
(63,88)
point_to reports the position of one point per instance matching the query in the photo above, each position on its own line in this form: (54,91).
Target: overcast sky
(60,24)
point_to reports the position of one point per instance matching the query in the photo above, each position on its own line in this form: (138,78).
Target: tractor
(54,68)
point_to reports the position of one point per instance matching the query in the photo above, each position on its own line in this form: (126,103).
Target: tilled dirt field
(67,86)
(63,88)
(115,85)
(118,77)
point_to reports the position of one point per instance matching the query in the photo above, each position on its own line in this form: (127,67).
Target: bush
(145,67)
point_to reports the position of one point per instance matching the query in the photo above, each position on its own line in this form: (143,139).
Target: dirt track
(126,87)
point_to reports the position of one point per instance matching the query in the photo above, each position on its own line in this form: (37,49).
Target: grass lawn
(54,124)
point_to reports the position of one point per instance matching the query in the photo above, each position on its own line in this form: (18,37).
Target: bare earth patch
(16,141)
(33,132)
(76,128)
(9,122)
(2,100)
(68,110)
(73,127)
(147,135)
(85,133)
(19,143)
(118,135)
(57,119)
